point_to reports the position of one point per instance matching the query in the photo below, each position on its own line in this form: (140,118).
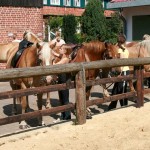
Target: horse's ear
(38,45)
(106,44)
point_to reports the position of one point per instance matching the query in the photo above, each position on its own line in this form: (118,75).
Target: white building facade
(136,17)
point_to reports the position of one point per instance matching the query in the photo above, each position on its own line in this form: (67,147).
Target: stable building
(18,16)
(135,15)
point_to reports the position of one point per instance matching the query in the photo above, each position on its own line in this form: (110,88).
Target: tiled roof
(115,1)
(113,4)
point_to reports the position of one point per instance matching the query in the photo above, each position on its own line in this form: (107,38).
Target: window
(77,3)
(86,1)
(55,2)
(45,2)
(67,2)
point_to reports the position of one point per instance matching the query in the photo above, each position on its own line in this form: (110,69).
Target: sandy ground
(121,129)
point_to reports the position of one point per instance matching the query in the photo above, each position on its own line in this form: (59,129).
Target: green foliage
(78,38)
(55,23)
(94,25)
(69,28)
(93,21)
(114,27)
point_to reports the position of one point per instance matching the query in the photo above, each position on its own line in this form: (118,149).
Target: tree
(55,23)
(93,21)
(69,28)
(114,27)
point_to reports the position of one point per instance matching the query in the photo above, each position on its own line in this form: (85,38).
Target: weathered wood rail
(79,85)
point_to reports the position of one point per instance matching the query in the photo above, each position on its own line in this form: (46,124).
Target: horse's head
(45,57)
(28,35)
(111,51)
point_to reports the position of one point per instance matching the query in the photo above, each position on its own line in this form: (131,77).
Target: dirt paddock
(122,129)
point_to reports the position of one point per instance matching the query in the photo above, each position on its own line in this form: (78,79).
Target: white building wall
(133,11)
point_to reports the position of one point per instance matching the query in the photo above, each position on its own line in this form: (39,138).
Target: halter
(106,52)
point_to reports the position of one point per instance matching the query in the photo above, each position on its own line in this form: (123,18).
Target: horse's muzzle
(48,80)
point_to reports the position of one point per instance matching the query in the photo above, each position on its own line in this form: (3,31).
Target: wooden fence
(79,85)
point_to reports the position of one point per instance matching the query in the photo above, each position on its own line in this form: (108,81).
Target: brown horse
(141,50)
(137,50)
(94,51)
(6,49)
(38,54)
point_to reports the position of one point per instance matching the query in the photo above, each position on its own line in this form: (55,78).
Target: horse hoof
(28,109)
(42,123)
(88,117)
(13,113)
(23,127)
(106,95)
(47,106)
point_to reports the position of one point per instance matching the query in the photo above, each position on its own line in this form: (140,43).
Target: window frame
(55,2)
(44,2)
(77,3)
(86,1)
(67,2)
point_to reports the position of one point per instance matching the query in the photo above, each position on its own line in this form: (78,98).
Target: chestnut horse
(137,50)
(94,51)
(6,49)
(35,55)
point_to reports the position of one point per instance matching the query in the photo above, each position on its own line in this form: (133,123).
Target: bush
(69,28)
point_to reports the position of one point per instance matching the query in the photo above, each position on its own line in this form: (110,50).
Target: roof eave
(134,3)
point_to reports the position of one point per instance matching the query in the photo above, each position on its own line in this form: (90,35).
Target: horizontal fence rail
(72,67)
(79,85)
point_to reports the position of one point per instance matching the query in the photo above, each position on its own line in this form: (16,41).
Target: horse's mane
(95,46)
(46,50)
(146,37)
(146,45)
(30,36)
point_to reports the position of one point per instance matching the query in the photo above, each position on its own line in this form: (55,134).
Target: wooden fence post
(140,87)
(80,98)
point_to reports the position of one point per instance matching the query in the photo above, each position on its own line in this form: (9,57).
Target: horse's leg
(27,100)
(88,111)
(48,105)
(105,91)
(39,104)
(23,124)
(14,108)
(131,86)
(148,80)
(23,101)
(104,74)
